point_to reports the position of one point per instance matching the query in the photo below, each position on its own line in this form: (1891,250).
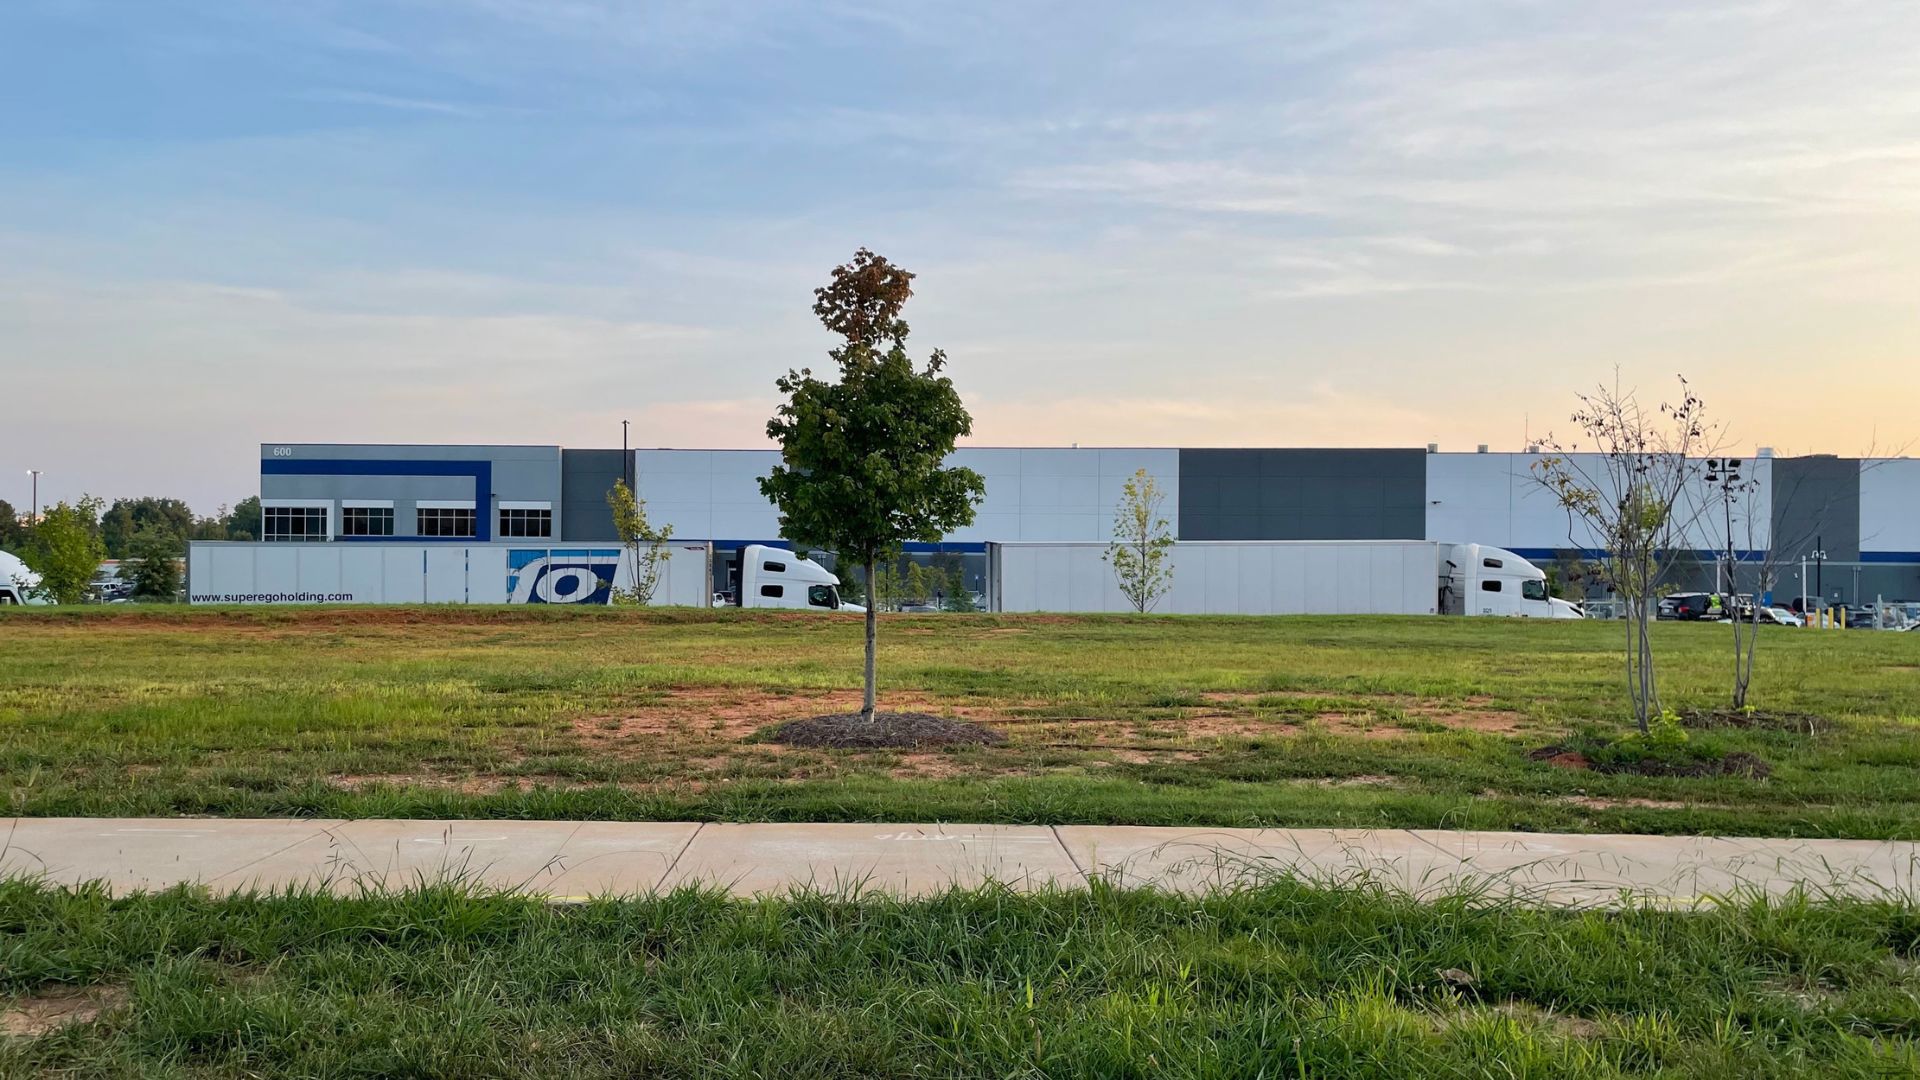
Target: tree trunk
(866,701)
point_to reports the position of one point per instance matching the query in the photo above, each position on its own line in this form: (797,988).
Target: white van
(772,577)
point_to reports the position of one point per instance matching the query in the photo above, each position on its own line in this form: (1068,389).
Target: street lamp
(35,519)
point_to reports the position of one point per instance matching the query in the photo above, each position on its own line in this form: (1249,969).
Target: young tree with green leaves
(152,564)
(1142,542)
(959,598)
(863,456)
(66,551)
(646,546)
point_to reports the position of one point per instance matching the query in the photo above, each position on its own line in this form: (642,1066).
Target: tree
(1568,575)
(862,458)
(12,532)
(889,587)
(1733,489)
(128,516)
(1141,542)
(152,564)
(959,597)
(1629,495)
(646,546)
(243,523)
(66,550)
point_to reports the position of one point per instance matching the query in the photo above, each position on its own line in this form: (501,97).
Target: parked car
(1688,605)
(1779,616)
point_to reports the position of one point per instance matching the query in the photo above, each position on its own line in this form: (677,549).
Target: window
(1490,586)
(444,521)
(1492,564)
(366,521)
(1533,590)
(775,591)
(774,567)
(822,596)
(518,522)
(306,523)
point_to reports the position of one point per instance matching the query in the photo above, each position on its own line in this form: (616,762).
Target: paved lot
(570,859)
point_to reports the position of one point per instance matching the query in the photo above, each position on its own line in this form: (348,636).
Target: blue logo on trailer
(556,576)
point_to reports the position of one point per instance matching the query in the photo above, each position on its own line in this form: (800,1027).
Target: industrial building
(1857,519)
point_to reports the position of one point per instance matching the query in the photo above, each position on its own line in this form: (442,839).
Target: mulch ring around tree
(1737,763)
(886,730)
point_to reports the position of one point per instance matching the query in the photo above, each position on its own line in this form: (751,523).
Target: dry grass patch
(1597,802)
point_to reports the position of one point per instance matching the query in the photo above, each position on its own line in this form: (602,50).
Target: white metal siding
(1890,505)
(1224,578)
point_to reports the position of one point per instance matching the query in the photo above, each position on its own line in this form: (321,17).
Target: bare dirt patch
(1215,725)
(1595,802)
(1573,1027)
(1472,714)
(883,729)
(732,714)
(1365,780)
(1468,714)
(58,1007)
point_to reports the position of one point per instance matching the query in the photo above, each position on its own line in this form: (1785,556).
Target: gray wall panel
(1302,494)
(1817,498)
(586,477)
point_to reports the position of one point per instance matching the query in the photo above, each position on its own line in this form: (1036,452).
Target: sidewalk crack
(1068,852)
(695,835)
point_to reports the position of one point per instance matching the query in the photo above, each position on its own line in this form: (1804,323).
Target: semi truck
(1282,577)
(772,577)
(18,585)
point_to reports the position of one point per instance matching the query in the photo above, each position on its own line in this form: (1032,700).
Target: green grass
(1281,979)
(622,714)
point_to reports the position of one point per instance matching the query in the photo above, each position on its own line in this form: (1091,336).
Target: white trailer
(411,572)
(1281,577)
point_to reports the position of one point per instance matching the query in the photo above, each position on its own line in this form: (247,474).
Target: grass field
(653,715)
(1280,980)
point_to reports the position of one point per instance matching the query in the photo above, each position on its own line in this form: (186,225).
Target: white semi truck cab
(18,584)
(1479,580)
(772,577)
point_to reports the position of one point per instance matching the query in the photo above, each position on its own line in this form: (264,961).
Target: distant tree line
(148,535)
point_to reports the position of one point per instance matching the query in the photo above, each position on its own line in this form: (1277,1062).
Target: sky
(1357,224)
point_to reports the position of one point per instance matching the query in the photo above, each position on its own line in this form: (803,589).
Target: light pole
(35,519)
(1818,557)
(1725,472)
(1819,568)
(626,457)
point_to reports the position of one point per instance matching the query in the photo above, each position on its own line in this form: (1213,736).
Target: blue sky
(223,223)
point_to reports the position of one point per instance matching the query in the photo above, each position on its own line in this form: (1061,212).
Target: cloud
(388,101)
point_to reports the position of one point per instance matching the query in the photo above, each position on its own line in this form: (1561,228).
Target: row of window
(310,522)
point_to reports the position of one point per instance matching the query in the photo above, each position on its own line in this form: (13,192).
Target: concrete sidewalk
(576,859)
